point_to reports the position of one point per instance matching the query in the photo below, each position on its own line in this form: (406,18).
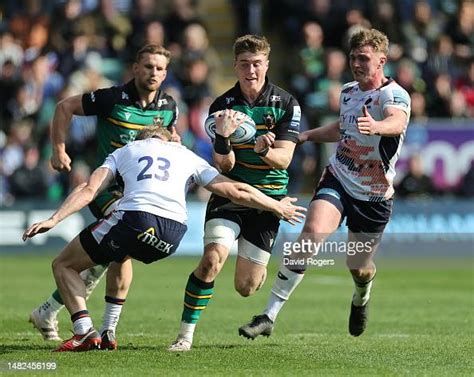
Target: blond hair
(370,37)
(153,49)
(255,44)
(154,131)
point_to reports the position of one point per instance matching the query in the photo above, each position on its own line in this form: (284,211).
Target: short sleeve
(395,97)
(99,102)
(111,162)
(288,127)
(203,172)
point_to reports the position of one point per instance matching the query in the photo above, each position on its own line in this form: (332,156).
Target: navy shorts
(362,216)
(258,227)
(140,235)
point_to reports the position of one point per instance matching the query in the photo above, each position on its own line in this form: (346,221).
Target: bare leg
(66,268)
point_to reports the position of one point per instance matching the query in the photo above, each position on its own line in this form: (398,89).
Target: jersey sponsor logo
(400,98)
(127,138)
(148,237)
(125,95)
(275,98)
(296,119)
(162,102)
(228,100)
(127,115)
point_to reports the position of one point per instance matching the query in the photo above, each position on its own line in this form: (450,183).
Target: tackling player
(148,222)
(358,183)
(122,111)
(262,164)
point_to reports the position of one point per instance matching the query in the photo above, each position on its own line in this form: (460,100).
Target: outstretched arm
(65,109)
(325,134)
(81,196)
(248,196)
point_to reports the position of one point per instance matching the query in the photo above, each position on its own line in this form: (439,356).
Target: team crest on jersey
(228,100)
(158,121)
(125,95)
(269,120)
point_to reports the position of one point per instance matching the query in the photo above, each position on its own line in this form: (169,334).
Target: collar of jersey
(132,92)
(240,95)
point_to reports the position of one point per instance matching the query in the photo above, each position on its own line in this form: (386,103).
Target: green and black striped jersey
(274,110)
(120,115)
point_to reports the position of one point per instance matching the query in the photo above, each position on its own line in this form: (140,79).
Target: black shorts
(140,235)
(258,227)
(362,216)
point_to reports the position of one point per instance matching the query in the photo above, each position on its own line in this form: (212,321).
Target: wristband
(263,152)
(222,144)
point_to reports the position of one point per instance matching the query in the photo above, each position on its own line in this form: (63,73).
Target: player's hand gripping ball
(242,135)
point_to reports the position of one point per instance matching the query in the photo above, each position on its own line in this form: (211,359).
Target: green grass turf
(421,323)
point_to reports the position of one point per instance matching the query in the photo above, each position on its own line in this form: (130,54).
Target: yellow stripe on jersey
(261,127)
(197,296)
(108,204)
(131,126)
(243,146)
(273,187)
(194,307)
(252,166)
(116,145)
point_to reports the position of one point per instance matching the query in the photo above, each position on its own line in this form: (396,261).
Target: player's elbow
(225,166)
(88,193)
(283,165)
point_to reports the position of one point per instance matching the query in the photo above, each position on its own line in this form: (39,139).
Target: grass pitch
(421,323)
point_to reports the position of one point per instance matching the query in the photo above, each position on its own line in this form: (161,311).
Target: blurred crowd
(56,48)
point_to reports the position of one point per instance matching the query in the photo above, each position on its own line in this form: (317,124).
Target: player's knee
(245,289)
(363,274)
(57,266)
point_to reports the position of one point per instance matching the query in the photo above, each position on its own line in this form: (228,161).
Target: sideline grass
(421,323)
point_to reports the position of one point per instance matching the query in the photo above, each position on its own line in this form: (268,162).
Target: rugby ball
(242,135)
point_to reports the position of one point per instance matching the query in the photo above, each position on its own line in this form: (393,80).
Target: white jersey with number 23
(157,175)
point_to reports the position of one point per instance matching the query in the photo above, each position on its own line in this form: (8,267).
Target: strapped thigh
(221,231)
(252,253)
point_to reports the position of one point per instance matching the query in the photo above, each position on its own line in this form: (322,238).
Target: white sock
(186,331)
(82,325)
(284,285)
(361,293)
(274,306)
(111,317)
(50,308)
